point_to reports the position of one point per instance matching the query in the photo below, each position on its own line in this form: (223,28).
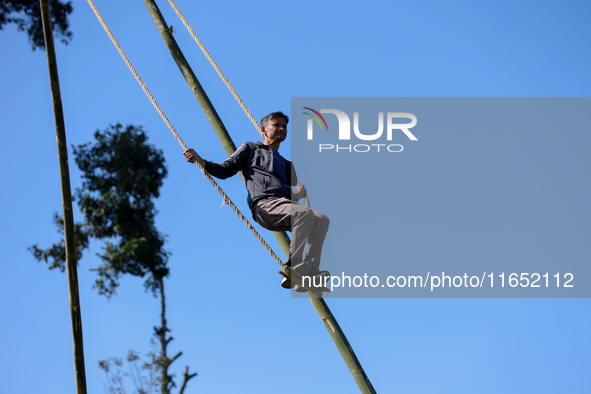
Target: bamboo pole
(319,304)
(201,96)
(60,131)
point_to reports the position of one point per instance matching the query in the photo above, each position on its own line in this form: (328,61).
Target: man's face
(275,130)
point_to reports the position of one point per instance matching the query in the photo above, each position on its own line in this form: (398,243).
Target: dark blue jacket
(255,160)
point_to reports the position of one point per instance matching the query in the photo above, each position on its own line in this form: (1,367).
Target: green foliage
(27,16)
(122,174)
(56,256)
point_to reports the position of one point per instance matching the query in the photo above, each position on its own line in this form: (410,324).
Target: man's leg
(308,231)
(311,226)
(305,224)
(316,239)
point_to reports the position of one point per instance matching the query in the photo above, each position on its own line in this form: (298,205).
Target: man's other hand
(301,191)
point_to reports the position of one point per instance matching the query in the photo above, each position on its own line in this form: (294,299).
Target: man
(274,206)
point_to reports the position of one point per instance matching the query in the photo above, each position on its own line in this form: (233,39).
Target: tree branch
(175,357)
(186,378)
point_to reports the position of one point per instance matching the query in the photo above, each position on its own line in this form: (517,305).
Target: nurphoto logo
(344,131)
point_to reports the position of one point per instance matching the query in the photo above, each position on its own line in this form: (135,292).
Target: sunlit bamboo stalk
(62,149)
(319,304)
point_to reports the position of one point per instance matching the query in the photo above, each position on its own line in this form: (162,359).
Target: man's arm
(300,191)
(228,168)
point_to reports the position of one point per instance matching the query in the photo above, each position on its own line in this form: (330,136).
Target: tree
(27,16)
(122,174)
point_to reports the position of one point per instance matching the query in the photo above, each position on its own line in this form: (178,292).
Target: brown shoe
(286,280)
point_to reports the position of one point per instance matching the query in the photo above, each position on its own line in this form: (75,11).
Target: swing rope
(319,304)
(215,66)
(227,199)
(221,74)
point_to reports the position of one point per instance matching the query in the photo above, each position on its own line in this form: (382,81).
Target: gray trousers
(305,224)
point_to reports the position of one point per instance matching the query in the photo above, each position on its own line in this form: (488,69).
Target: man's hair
(274,115)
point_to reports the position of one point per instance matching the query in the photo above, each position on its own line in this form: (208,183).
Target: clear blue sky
(234,333)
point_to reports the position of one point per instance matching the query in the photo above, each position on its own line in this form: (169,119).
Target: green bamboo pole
(202,98)
(319,304)
(339,338)
(179,58)
(71,264)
